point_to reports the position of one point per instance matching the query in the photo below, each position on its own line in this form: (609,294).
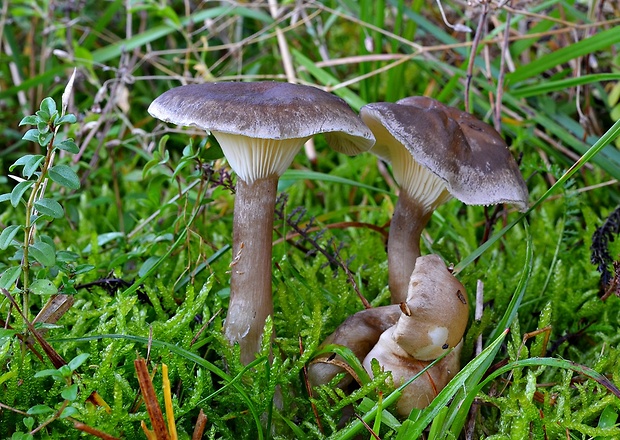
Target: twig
(472,54)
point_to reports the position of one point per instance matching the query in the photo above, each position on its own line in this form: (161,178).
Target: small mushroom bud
(437,311)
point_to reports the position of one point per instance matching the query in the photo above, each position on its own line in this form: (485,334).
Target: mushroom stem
(403,247)
(250,279)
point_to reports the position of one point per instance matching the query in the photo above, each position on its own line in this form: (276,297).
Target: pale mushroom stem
(250,279)
(408,221)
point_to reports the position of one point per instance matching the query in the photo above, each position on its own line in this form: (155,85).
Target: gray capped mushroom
(437,152)
(260,126)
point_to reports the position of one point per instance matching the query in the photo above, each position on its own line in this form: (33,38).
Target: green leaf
(29,120)
(19,190)
(68,412)
(43,287)
(70,393)
(67,119)
(65,176)
(30,162)
(29,423)
(75,363)
(6,333)
(7,235)
(43,253)
(40,409)
(8,278)
(49,207)
(48,372)
(67,145)
(31,135)
(45,138)
(48,105)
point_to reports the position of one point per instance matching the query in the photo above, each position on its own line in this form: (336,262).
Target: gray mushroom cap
(467,154)
(266,110)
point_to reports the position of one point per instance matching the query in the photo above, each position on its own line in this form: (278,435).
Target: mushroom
(432,320)
(421,392)
(359,332)
(260,126)
(436,152)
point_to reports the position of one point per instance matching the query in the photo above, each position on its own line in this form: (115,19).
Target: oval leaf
(68,145)
(77,361)
(8,278)
(48,105)
(65,176)
(29,120)
(40,409)
(49,207)
(19,190)
(43,253)
(7,235)
(31,135)
(70,393)
(43,287)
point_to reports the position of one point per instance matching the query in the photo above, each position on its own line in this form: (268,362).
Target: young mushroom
(437,152)
(359,332)
(432,320)
(260,127)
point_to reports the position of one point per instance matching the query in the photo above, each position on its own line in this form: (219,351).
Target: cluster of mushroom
(436,152)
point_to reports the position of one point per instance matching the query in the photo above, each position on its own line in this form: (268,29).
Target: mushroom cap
(267,110)
(468,155)
(435,316)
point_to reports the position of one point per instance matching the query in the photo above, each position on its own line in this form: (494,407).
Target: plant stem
(29,228)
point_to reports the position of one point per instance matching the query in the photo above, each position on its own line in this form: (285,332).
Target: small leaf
(65,176)
(68,412)
(19,190)
(49,207)
(70,393)
(29,120)
(48,372)
(6,333)
(45,138)
(8,278)
(30,162)
(67,145)
(83,268)
(43,127)
(78,360)
(43,287)
(5,197)
(7,235)
(40,409)
(67,119)
(31,135)
(44,117)
(43,253)
(48,105)
(32,166)
(28,423)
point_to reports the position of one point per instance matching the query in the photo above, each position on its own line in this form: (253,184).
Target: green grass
(143,246)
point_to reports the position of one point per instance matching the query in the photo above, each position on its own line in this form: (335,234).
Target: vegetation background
(141,230)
